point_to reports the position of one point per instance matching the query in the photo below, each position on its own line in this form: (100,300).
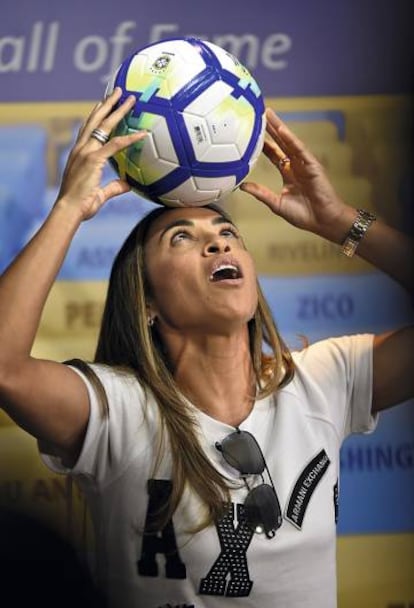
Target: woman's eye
(229,232)
(179,236)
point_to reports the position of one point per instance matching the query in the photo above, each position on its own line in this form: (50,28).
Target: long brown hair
(127,342)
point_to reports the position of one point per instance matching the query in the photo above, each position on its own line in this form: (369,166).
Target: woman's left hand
(308,199)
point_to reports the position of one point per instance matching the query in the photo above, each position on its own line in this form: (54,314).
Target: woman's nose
(217,244)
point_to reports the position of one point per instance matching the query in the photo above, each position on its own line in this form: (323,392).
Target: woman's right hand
(81,187)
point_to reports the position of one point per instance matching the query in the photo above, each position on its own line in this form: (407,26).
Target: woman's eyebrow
(179,222)
(220,219)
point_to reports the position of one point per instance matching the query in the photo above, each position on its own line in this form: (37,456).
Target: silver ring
(283,161)
(100,136)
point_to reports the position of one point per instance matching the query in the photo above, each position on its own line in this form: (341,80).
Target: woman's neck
(216,374)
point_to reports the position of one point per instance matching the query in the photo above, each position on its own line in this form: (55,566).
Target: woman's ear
(151,315)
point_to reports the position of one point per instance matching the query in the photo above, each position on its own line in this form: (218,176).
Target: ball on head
(205,118)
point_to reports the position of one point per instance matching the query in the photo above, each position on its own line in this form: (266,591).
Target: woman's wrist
(337,229)
(68,212)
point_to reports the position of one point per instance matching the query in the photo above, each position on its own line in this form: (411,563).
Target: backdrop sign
(66,51)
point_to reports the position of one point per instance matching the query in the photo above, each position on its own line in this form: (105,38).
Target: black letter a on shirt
(159,541)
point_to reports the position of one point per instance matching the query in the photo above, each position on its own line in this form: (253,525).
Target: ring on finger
(283,161)
(100,136)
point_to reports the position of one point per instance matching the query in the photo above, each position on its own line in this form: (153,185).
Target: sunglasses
(262,509)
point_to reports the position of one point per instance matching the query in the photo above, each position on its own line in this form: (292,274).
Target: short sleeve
(336,377)
(113,434)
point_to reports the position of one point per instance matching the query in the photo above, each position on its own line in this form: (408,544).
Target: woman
(210,468)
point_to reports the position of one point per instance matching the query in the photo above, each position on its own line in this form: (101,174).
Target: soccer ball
(204,114)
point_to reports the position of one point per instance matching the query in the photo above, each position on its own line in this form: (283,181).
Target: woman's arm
(46,398)
(309,201)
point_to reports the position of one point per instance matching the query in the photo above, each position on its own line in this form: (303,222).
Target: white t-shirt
(300,431)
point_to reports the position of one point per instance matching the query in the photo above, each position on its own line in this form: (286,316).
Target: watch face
(363,221)
(361,224)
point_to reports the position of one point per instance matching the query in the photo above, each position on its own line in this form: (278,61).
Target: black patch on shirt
(336,500)
(305,487)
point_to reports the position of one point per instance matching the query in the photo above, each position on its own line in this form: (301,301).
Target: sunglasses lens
(242,452)
(263,509)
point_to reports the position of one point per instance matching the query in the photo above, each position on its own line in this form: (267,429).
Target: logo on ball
(161,63)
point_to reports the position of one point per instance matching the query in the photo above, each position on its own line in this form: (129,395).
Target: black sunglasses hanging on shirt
(242,452)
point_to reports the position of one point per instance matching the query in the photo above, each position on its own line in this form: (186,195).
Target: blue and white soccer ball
(204,114)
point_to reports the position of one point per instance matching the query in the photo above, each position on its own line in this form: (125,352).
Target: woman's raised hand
(81,186)
(307,199)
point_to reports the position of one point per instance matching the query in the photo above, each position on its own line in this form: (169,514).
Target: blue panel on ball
(160,187)
(193,89)
(207,54)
